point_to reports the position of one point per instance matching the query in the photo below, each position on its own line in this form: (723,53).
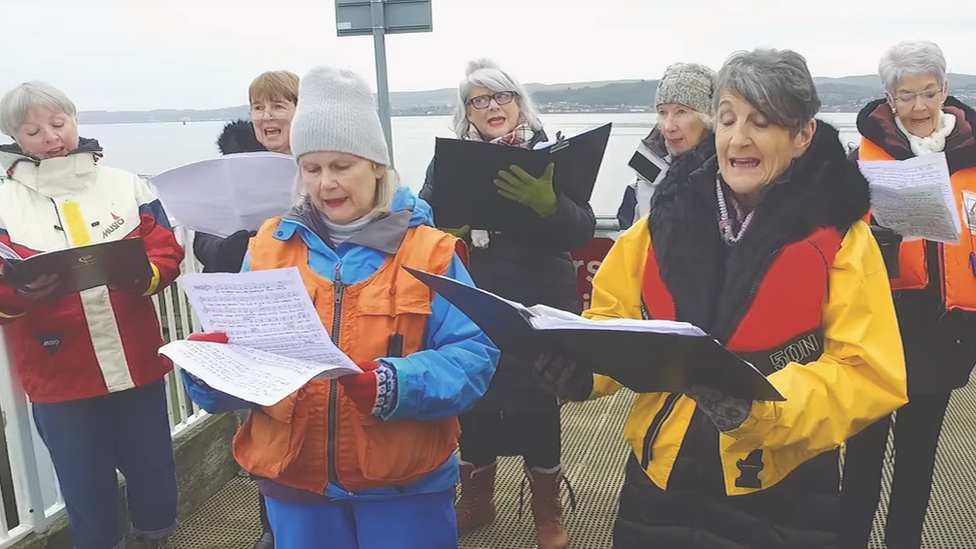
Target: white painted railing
(30,499)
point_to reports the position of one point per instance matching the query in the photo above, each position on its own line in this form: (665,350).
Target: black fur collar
(713,283)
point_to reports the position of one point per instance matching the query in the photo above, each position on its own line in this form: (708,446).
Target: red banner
(587,259)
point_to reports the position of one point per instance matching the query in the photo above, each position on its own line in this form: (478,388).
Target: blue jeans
(90,439)
(417,521)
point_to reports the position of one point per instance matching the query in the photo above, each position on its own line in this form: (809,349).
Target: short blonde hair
(274,85)
(386,188)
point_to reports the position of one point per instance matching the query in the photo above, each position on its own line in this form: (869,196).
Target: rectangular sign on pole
(354,17)
(379,18)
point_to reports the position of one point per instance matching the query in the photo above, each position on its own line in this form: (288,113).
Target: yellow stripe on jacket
(74,224)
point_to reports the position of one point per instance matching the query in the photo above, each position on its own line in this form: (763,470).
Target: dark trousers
(917,428)
(89,439)
(535,435)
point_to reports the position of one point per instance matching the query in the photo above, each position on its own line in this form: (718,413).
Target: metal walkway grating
(594,455)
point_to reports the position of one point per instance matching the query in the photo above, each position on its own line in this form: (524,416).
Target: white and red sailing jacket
(98,341)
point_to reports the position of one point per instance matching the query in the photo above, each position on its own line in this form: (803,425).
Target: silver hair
(386,188)
(910,58)
(707,119)
(29,95)
(777,83)
(486,74)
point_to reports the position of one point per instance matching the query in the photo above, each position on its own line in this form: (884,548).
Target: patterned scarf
(521,136)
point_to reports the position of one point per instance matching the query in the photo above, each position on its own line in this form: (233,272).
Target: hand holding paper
(277,340)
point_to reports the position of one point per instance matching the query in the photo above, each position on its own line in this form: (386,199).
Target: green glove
(458,233)
(536,193)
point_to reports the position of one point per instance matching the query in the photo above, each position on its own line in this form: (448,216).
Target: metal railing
(30,498)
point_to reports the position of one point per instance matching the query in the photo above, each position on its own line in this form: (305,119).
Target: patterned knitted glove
(727,413)
(374,392)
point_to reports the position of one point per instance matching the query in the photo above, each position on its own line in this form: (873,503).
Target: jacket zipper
(60,225)
(730,330)
(655,428)
(333,391)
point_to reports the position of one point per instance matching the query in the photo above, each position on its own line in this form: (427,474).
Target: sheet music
(549,318)
(266,310)
(914,198)
(249,374)
(242,191)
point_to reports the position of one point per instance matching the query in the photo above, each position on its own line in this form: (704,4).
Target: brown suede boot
(477,504)
(547,508)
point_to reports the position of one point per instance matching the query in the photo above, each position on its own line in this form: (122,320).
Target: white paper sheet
(914,198)
(249,374)
(549,318)
(223,195)
(265,310)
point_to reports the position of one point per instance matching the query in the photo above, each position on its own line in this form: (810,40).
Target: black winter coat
(529,264)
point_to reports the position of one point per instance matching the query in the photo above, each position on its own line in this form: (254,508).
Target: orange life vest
(316,436)
(958,281)
(783,323)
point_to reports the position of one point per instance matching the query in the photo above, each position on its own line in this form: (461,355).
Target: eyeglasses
(277,111)
(482,101)
(910,98)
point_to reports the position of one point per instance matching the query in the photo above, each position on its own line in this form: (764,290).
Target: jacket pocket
(403,451)
(268,443)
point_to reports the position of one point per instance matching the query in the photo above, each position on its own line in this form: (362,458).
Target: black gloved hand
(564,373)
(230,252)
(727,413)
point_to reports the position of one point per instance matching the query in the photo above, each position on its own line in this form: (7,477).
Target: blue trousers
(89,439)
(420,521)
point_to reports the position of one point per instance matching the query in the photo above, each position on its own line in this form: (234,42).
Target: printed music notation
(278,342)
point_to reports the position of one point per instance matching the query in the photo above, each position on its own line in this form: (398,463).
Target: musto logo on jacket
(114,226)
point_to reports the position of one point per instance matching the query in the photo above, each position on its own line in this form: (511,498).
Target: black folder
(117,263)
(464,174)
(671,360)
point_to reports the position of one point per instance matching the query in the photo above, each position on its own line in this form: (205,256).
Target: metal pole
(382,85)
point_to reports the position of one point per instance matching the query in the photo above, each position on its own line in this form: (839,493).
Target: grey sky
(144,54)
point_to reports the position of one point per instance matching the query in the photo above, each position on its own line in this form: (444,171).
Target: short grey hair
(29,95)
(484,73)
(911,58)
(777,83)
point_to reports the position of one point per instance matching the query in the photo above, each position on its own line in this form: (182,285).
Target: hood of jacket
(655,142)
(238,137)
(711,279)
(53,176)
(876,123)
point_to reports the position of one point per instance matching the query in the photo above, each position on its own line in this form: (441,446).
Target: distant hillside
(847,94)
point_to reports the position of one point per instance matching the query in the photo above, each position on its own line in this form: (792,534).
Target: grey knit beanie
(688,84)
(336,114)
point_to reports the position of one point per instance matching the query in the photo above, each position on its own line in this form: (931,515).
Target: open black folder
(646,356)
(464,174)
(117,263)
